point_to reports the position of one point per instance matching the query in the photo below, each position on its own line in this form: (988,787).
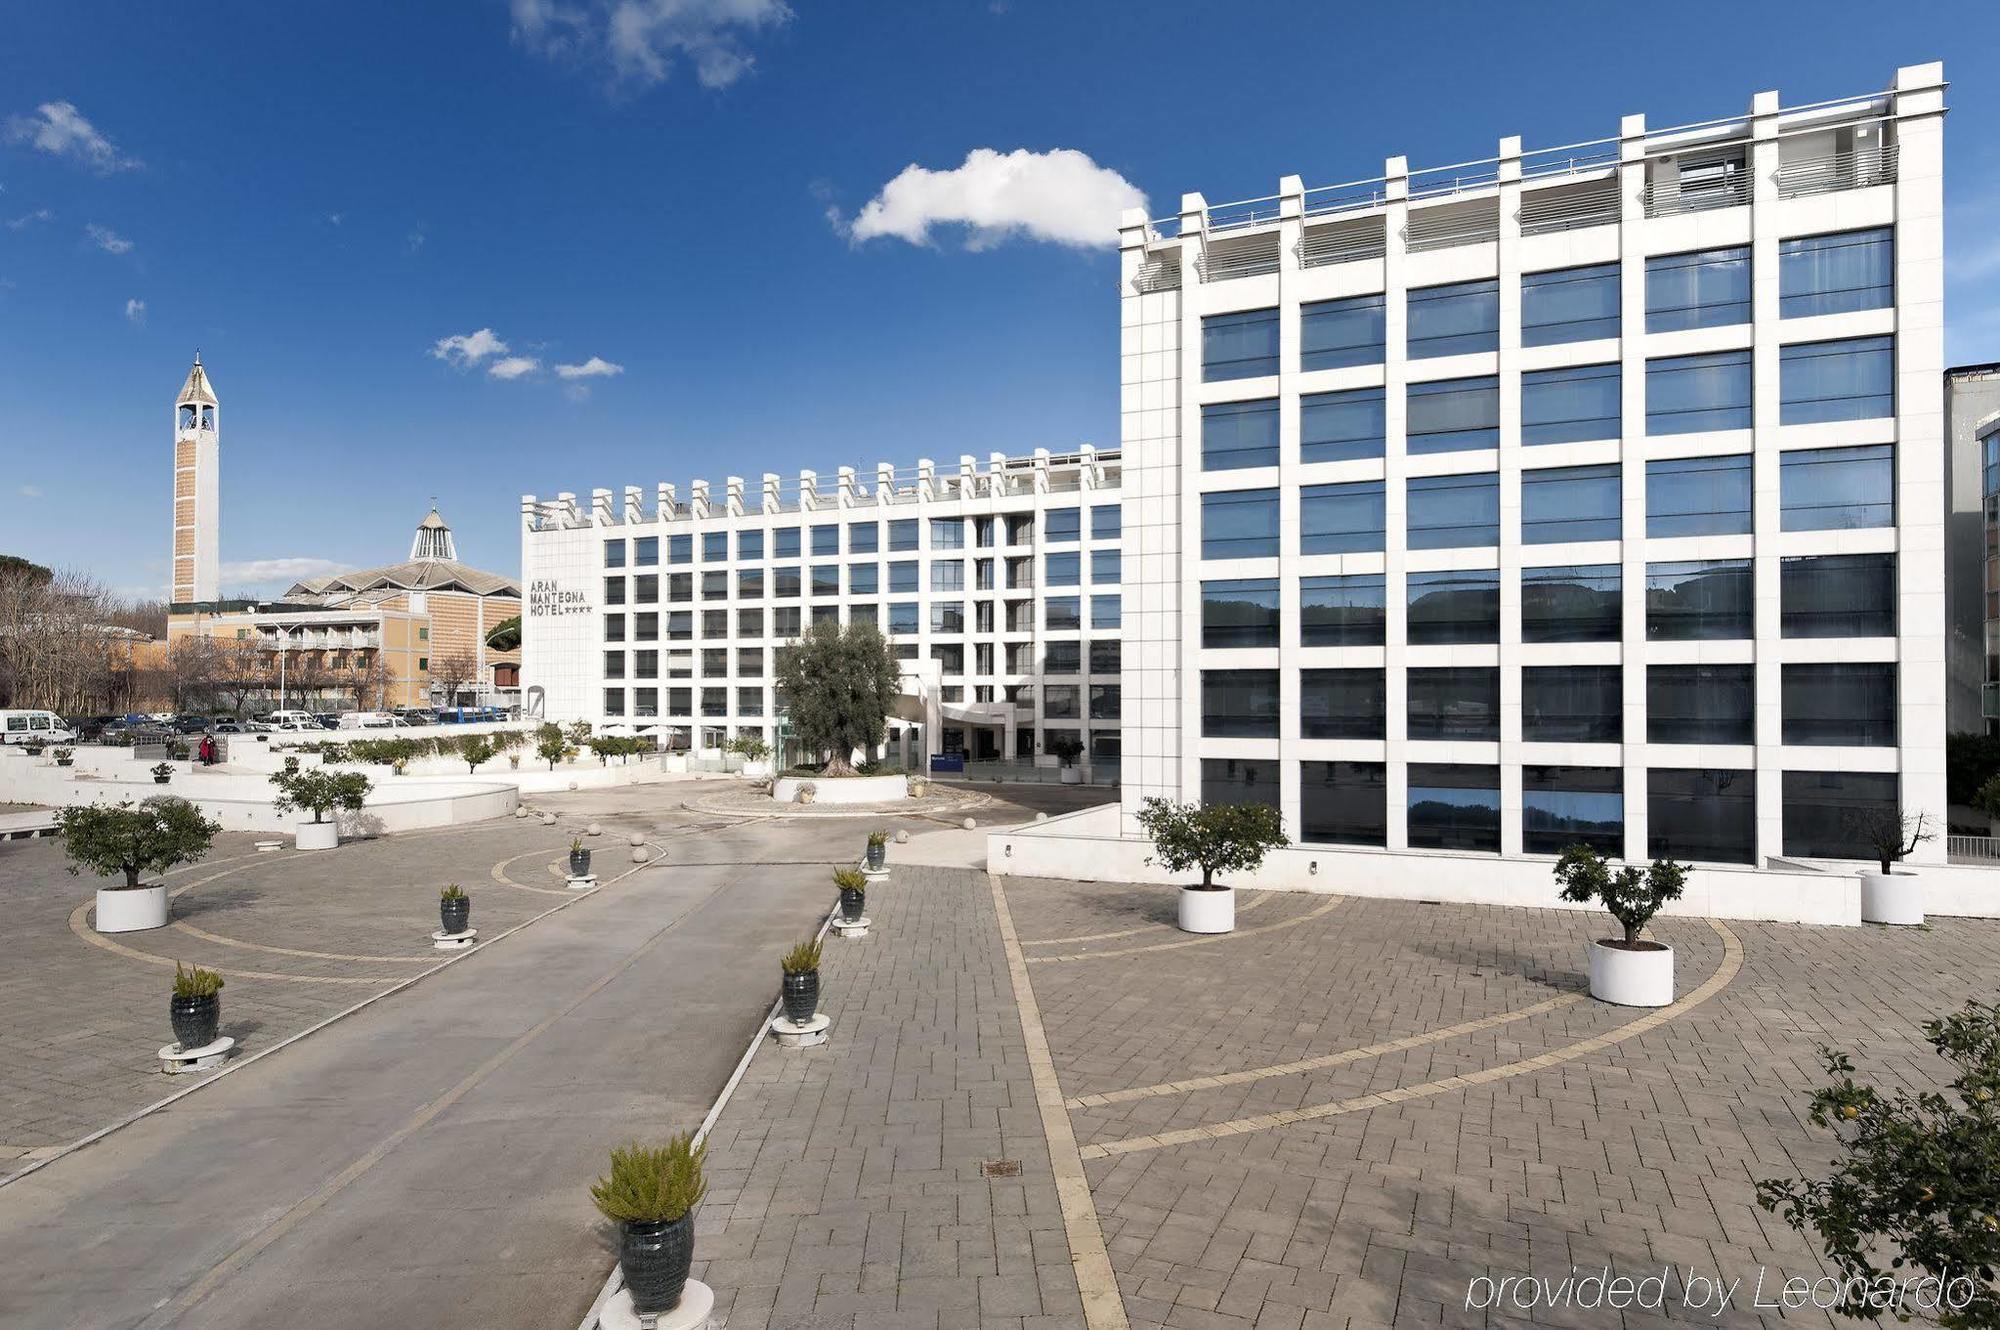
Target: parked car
(328,720)
(88,729)
(229,727)
(416,715)
(34,727)
(189,724)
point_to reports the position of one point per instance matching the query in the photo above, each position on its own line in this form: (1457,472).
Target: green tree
(1222,838)
(550,744)
(477,749)
(154,836)
(1631,895)
(320,791)
(837,686)
(1919,1177)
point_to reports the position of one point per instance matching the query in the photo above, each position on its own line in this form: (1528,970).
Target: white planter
(843,789)
(1632,978)
(316,836)
(756,768)
(1072,775)
(132,911)
(1892,898)
(1208,911)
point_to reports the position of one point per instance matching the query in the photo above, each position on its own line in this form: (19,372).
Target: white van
(290,720)
(367,720)
(34,727)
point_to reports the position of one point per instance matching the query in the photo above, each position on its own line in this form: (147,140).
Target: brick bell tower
(197,515)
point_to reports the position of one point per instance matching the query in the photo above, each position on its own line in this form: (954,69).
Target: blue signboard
(942,763)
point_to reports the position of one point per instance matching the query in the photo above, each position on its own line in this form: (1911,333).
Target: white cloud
(107,239)
(1060,195)
(28,219)
(31,491)
(513,367)
(60,130)
(597,367)
(413,242)
(258,572)
(643,40)
(467,349)
(135,312)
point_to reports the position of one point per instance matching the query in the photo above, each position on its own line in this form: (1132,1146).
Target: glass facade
(1335,334)
(1571,405)
(1239,346)
(1570,305)
(1454,320)
(1854,379)
(1341,427)
(1836,274)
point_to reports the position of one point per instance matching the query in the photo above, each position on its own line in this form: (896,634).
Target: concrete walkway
(426,1161)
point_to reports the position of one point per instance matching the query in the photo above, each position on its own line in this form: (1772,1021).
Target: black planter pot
(579,863)
(655,1256)
(161,780)
(801,995)
(194,1019)
(852,899)
(877,856)
(455,914)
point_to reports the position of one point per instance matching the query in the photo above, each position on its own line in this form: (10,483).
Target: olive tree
(319,791)
(837,686)
(1631,895)
(1220,838)
(154,836)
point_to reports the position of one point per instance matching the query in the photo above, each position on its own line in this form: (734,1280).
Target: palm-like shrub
(195,982)
(802,959)
(652,1184)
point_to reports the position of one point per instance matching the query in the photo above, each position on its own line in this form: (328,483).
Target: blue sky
(692,192)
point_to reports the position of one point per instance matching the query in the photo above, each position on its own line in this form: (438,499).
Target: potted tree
(800,989)
(1889,896)
(651,1193)
(1629,971)
(477,749)
(878,850)
(163,773)
(454,909)
(319,791)
(756,756)
(579,858)
(1225,838)
(152,837)
(853,893)
(196,1007)
(550,744)
(64,756)
(1067,748)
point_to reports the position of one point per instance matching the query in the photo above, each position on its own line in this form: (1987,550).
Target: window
(714,586)
(614,591)
(1451,511)
(1851,704)
(950,658)
(749,623)
(1701,601)
(1107,521)
(903,576)
(1105,567)
(1344,803)
(1826,811)
(863,579)
(646,664)
(1241,524)
(1020,528)
(1570,503)
(1106,701)
(1837,489)
(826,540)
(947,616)
(948,575)
(1706,289)
(645,627)
(947,533)
(1342,611)
(1063,613)
(785,543)
(1063,524)
(614,664)
(1337,519)
(1457,606)
(750,662)
(680,701)
(1342,704)
(715,623)
(749,545)
(1576,603)
(982,532)
(1105,657)
(903,618)
(1107,611)
(614,628)
(902,535)
(785,583)
(1852,379)
(1569,305)
(1836,274)
(680,549)
(645,590)
(1062,658)
(614,554)
(614,701)
(1339,427)
(1461,702)
(1703,815)
(1698,496)
(645,701)
(1688,394)
(1239,704)
(1240,613)
(1235,435)
(826,579)
(1565,806)
(1454,807)
(1062,569)
(864,537)
(749,583)
(785,622)
(715,547)
(1454,414)
(749,701)
(862,614)
(1571,405)
(1454,320)
(1838,595)
(1334,334)
(646,551)
(680,587)
(1228,781)
(715,702)
(715,662)
(1572,704)
(1701,704)
(1239,346)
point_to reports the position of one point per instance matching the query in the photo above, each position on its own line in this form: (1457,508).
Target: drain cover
(1001,1168)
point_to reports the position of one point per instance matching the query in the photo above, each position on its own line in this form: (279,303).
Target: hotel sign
(546,600)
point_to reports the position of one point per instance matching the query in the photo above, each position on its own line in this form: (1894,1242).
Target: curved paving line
(97,939)
(1732,961)
(1259,898)
(207,936)
(1205,939)
(499,874)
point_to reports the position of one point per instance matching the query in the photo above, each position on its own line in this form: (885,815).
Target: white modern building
(998,584)
(1583,493)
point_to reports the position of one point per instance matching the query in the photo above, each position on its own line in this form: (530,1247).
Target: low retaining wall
(843,789)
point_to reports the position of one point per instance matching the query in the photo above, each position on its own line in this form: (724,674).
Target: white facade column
(1395,506)
(1509,363)
(1766,518)
(1291,234)
(1632,652)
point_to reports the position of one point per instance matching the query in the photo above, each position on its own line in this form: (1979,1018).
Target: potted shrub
(320,792)
(454,909)
(1226,838)
(800,989)
(1889,896)
(1067,748)
(163,773)
(651,1193)
(878,850)
(1629,971)
(579,858)
(152,837)
(196,1006)
(853,893)
(514,761)
(64,756)
(33,747)
(806,792)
